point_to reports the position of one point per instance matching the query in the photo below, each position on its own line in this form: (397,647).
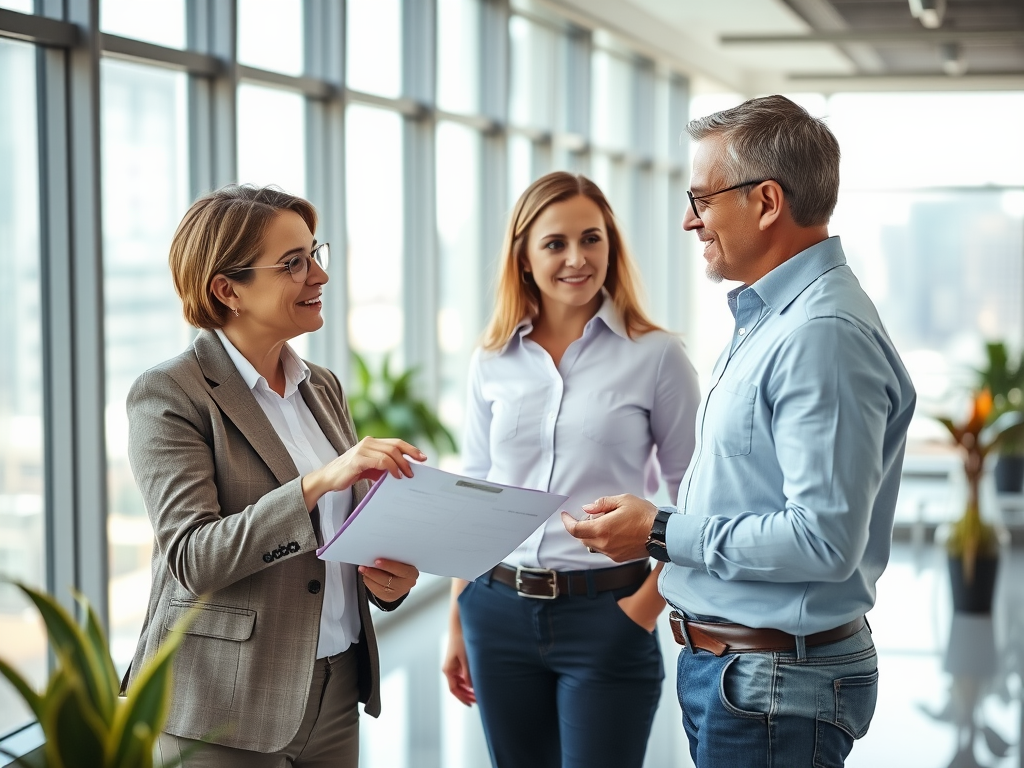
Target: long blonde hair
(518,298)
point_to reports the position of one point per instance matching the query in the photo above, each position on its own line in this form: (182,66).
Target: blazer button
(313,587)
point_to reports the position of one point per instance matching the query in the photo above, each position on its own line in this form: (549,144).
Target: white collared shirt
(310,449)
(587,428)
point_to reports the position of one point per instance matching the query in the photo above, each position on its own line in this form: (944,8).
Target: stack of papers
(440,522)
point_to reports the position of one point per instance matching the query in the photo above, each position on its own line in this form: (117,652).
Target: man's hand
(619,529)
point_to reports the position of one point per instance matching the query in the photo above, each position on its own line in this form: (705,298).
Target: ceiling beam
(926,36)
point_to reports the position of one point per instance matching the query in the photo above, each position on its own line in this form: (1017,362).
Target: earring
(235,310)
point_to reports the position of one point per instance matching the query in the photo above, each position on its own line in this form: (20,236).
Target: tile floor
(950,691)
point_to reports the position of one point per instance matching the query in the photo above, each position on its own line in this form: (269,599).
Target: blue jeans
(772,710)
(566,683)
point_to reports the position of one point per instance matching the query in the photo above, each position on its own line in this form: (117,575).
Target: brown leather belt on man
(721,638)
(546,584)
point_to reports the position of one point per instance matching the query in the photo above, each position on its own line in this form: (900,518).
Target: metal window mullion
(76,492)
(213,101)
(420,261)
(57,325)
(680,305)
(494,55)
(571,142)
(325,173)
(642,209)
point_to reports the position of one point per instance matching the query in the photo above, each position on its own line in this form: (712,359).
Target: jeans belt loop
(801,647)
(686,634)
(591,588)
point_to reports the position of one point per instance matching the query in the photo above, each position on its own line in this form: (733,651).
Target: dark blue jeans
(773,710)
(566,683)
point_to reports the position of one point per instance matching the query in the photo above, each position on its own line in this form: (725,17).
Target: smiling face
(728,224)
(567,254)
(272,305)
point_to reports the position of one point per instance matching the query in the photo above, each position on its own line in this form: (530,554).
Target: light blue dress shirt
(586,428)
(788,504)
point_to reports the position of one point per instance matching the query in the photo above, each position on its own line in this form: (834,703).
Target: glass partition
(145,192)
(156,21)
(270,35)
(374,181)
(374,52)
(22,526)
(459,320)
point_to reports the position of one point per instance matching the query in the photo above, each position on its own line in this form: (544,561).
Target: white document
(442,523)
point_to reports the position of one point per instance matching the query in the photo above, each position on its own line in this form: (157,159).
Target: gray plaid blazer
(231,527)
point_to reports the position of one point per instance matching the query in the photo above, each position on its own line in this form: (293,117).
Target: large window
(22,524)
(375,224)
(461,262)
(389,116)
(144,195)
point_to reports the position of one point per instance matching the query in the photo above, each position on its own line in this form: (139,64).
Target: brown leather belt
(546,584)
(736,638)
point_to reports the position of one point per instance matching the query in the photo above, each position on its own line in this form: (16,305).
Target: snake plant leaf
(27,692)
(148,701)
(97,646)
(75,733)
(66,636)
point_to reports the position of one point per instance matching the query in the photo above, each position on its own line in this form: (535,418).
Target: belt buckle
(552,576)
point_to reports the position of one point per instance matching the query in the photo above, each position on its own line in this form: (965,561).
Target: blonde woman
(571,392)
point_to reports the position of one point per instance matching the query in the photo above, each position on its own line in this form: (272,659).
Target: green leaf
(80,731)
(33,699)
(99,651)
(148,702)
(67,637)
(364,377)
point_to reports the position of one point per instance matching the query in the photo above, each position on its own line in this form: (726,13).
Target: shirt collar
(295,369)
(606,313)
(783,284)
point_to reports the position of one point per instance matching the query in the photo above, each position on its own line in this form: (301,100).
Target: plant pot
(1009,474)
(975,597)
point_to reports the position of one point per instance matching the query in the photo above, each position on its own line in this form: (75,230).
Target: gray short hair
(773,138)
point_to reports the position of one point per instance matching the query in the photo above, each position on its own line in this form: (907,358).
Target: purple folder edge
(356,511)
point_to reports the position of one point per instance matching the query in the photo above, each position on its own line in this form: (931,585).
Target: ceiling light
(953,62)
(928,12)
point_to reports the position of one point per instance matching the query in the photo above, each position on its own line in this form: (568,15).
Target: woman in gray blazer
(247,458)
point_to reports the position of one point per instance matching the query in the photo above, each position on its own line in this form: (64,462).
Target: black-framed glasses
(298,265)
(695,198)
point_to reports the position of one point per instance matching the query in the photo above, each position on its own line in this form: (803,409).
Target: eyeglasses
(298,265)
(694,199)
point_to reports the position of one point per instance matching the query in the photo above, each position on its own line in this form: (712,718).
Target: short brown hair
(221,233)
(518,298)
(774,138)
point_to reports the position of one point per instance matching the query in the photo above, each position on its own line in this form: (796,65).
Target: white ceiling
(687,34)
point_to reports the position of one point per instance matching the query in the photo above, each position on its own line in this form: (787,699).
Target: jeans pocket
(855,699)
(732,684)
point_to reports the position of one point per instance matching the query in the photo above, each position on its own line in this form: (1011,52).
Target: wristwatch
(656,546)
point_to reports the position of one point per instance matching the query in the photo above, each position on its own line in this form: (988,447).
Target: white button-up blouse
(310,449)
(588,428)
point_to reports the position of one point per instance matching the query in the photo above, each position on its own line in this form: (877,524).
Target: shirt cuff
(684,538)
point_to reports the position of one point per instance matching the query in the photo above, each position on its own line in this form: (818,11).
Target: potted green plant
(1003,376)
(383,404)
(84,722)
(973,546)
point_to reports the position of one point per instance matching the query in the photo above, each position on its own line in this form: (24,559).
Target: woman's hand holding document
(442,523)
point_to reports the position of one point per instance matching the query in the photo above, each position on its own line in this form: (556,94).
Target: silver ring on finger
(387,587)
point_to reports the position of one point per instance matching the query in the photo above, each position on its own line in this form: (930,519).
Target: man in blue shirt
(785,514)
